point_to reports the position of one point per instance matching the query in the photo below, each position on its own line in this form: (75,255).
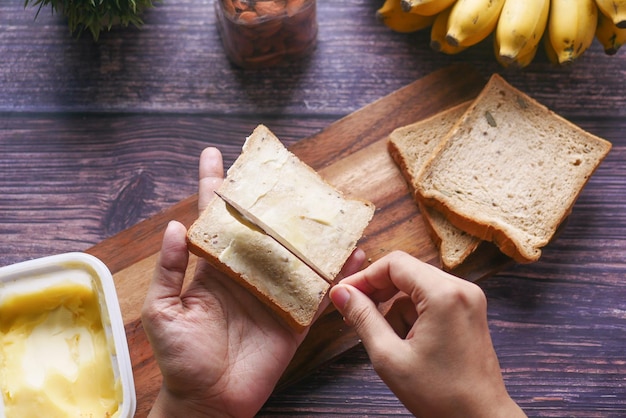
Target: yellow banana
(392,15)
(520,28)
(520,61)
(426,7)
(549,49)
(615,9)
(572,26)
(610,36)
(471,21)
(525,59)
(438,35)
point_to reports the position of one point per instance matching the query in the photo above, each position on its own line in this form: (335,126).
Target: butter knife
(253,222)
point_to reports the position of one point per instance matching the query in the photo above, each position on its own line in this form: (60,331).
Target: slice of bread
(411,146)
(294,200)
(510,170)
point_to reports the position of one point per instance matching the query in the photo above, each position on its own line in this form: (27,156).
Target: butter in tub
(63,349)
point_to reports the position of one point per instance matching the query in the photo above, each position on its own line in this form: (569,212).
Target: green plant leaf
(94,15)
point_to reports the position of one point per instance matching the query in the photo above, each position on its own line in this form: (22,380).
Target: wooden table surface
(97,137)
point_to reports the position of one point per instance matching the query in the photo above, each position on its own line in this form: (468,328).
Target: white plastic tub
(25,289)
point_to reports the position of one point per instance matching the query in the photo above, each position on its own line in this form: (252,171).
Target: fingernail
(340,296)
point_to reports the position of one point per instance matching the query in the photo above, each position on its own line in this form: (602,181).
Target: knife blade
(252,221)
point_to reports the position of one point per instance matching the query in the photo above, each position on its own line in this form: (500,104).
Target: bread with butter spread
(411,146)
(293,199)
(510,170)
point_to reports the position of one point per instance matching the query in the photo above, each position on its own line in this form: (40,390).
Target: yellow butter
(55,360)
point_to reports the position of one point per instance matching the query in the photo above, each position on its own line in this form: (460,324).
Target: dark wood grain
(96,138)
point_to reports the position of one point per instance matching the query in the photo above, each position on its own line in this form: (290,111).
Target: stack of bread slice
(501,168)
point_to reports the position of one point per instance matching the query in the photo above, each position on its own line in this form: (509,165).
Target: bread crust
(410,146)
(270,302)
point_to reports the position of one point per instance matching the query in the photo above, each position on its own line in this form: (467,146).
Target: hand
(220,350)
(434,350)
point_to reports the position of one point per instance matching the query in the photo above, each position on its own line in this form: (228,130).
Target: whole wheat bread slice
(411,146)
(294,200)
(510,170)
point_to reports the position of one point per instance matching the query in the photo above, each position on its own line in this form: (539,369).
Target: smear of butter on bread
(296,202)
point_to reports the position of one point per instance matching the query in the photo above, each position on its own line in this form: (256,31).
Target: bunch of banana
(565,28)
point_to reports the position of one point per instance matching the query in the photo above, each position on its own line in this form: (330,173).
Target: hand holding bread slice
(285,193)
(508,171)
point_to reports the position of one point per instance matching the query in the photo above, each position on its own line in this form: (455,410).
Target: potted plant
(95,16)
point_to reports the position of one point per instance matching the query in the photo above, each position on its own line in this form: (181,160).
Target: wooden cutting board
(352,155)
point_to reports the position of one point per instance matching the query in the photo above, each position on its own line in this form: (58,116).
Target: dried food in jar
(263,33)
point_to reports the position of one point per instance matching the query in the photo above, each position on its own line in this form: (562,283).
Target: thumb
(169,273)
(360,312)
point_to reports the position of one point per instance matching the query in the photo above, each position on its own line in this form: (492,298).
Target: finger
(360,312)
(395,272)
(211,175)
(353,263)
(169,273)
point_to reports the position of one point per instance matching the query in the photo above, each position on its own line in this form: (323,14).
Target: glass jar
(264,33)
